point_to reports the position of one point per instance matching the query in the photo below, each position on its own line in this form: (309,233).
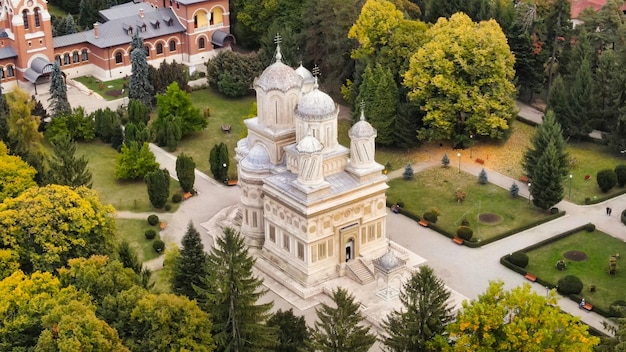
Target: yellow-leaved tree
(462,80)
(16,175)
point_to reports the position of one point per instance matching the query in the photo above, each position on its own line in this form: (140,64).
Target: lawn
(593,271)
(109,90)
(132,230)
(123,195)
(435,188)
(223,111)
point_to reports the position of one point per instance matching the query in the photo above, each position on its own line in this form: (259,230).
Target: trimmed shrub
(150,234)
(617,309)
(620,172)
(514,190)
(430,217)
(408,172)
(465,233)
(153,219)
(482,177)
(167,207)
(158,246)
(445,161)
(519,258)
(177,198)
(590,227)
(465,222)
(554,210)
(606,179)
(570,284)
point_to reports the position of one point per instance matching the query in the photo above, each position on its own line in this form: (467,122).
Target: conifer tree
(128,257)
(186,172)
(549,131)
(514,190)
(64,167)
(117,137)
(425,313)
(59,105)
(230,294)
(379,93)
(218,161)
(190,266)
(547,183)
(445,161)
(408,172)
(582,103)
(482,177)
(139,87)
(158,183)
(293,333)
(339,329)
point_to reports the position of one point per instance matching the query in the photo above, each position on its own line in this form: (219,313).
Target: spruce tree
(582,102)
(229,293)
(379,93)
(128,257)
(59,105)
(117,137)
(339,329)
(293,333)
(445,161)
(64,167)
(482,177)
(139,87)
(408,172)
(425,313)
(548,132)
(158,183)
(547,182)
(186,172)
(190,266)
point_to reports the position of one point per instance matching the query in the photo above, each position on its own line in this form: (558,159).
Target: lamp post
(570,186)
(471,144)
(123,97)
(529,195)
(459,155)
(225,174)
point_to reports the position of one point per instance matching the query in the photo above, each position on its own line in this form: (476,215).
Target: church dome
(279,76)
(309,145)
(257,159)
(362,129)
(306,75)
(388,261)
(316,105)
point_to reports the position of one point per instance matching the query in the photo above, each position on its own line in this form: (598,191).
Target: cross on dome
(362,110)
(316,73)
(278,39)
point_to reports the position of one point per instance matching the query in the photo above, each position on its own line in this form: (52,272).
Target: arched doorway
(350,249)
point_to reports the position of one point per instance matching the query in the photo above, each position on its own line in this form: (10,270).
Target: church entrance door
(350,250)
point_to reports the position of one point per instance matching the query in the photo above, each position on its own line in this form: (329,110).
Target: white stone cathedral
(310,207)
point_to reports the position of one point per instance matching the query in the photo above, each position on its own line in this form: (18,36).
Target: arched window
(25,18)
(75,57)
(58,60)
(159,49)
(66,59)
(1,73)
(85,55)
(147,50)
(201,43)
(10,71)
(37,20)
(118,57)
(172,45)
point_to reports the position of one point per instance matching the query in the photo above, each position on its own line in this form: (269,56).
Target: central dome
(316,105)
(278,76)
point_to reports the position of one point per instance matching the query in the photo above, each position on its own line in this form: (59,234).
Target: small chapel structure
(310,207)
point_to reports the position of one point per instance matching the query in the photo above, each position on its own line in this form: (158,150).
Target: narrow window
(286,242)
(58,60)
(10,71)
(147,50)
(321,250)
(300,250)
(37,20)
(118,57)
(272,233)
(25,18)
(85,55)
(195,21)
(1,73)
(159,49)
(201,43)
(75,57)
(66,59)
(172,45)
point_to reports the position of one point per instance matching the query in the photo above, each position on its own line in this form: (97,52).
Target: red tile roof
(579,5)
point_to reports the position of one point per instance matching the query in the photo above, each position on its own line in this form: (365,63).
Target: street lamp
(471,144)
(529,193)
(459,155)
(570,186)
(225,175)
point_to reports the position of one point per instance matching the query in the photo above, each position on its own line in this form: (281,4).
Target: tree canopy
(16,175)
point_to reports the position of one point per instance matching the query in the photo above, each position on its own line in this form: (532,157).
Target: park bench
(226,128)
(587,307)
(457,240)
(530,277)
(187,195)
(524,179)
(423,223)
(231,182)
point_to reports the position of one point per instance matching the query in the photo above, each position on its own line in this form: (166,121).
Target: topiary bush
(177,198)
(153,219)
(617,309)
(408,172)
(569,284)
(520,259)
(158,246)
(430,217)
(465,233)
(590,227)
(465,222)
(482,177)
(150,234)
(167,207)
(514,190)
(606,179)
(445,161)
(620,173)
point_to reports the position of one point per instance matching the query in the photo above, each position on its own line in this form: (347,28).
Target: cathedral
(311,209)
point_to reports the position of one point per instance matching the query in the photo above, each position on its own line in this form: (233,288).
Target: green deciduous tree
(548,132)
(461,78)
(178,103)
(339,328)
(190,267)
(167,73)
(139,87)
(230,294)
(232,73)
(135,162)
(49,225)
(158,184)
(64,167)
(76,123)
(515,320)
(59,105)
(185,172)
(16,175)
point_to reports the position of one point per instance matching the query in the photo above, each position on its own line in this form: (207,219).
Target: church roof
(257,159)
(122,10)
(7,52)
(278,76)
(316,105)
(362,129)
(306,75)
(309,145)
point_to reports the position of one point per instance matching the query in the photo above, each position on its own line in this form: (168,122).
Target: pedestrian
(608,211)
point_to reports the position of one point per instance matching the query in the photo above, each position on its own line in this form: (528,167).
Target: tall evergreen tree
(293,333)
(339,329)
(424,315)
(104,122)
(139,87)
(190,267)
(117,137)
(230,294)
(136,132)
(186,172)
(219,161)
(128,257)
(547,184)
(558,28)
(158,183)
(548,132)
(59,105)
(64,167)
(379,94)
(70,25)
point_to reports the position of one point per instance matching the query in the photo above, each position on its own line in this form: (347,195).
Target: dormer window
(155,23)
(168,20)
(128,29)
(25,18)
(141,26)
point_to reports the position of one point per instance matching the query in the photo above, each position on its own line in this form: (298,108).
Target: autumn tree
(461,78)
(24,134)
(16,175)
(339,328)
(135,162)
(158,184)
(59,105)
(513,320)
(186,172)
(425,313)
(68,223)
(229,293)
(189,268)
(65,168)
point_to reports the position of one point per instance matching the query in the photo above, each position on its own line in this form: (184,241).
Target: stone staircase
(360,271)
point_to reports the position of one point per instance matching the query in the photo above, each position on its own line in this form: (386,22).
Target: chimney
(96,32)
(141,13)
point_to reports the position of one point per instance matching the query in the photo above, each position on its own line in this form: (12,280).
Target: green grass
(123,195)
(109,90)
(132,230)
(435,188)
(223,111)
(593,271)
